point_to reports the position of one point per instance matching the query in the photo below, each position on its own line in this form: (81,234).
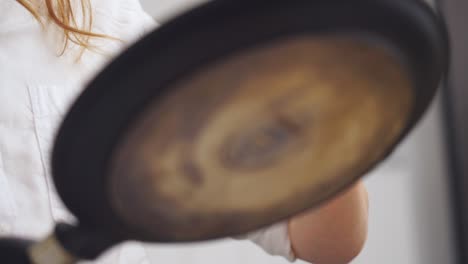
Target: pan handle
(50,250)
(15,250)
(67,245)
(23,251)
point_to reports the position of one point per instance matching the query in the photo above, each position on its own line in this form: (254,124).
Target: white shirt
(36,89)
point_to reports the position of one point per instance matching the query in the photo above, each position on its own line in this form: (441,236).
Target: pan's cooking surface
(258,136)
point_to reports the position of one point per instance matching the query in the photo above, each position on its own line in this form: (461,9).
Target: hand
(336,232)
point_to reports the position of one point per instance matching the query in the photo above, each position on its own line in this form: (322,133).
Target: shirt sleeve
(274,240)
(122,19)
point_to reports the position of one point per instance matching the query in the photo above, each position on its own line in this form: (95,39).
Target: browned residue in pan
(258,136)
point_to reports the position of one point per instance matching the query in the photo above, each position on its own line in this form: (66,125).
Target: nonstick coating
(105,110)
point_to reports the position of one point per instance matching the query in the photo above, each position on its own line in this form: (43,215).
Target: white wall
(410,219)
(409,215)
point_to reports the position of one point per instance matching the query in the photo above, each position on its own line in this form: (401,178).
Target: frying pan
(236,115)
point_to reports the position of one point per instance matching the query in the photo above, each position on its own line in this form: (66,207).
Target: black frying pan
(238,114)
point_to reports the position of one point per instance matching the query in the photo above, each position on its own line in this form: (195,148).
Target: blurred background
(411,220)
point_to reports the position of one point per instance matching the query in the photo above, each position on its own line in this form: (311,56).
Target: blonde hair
(61,13)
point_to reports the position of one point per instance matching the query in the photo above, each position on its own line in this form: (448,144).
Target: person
(49,49)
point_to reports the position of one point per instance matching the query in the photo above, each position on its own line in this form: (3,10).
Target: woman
(48,50)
